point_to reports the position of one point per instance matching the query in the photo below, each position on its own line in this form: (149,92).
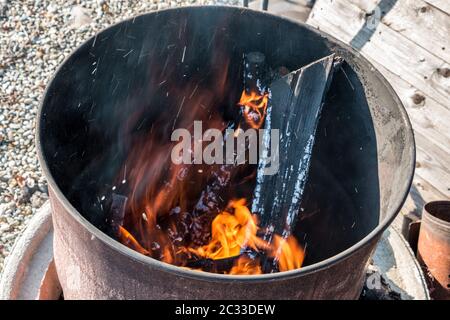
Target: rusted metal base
(395,262)
(434,247)
(29,272)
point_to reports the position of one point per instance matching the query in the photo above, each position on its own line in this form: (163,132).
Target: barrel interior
(115,76)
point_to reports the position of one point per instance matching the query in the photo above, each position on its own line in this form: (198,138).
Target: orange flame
(288,253)
(255,107)
(244,265)
(231,232)
(234,232)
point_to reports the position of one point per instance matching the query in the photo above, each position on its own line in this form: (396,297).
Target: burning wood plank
(294,108)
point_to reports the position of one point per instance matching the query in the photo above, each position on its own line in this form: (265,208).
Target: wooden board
(404,16)
(400,55)
(277,196)
(409,44)
(443,5)
(294,9)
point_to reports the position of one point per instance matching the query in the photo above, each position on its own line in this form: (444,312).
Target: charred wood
(294,109)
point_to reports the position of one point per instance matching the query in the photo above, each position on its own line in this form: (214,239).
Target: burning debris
(231,217)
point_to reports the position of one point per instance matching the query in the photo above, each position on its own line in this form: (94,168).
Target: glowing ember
(232,230)
(255,106)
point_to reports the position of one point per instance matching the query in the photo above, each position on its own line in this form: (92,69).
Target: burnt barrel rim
(321,265)
(438,213)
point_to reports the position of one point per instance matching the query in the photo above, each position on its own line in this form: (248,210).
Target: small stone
(27,211)
(4,227)
(38,199)
(162,5)
(52,8)
(3,4)
(3,208)
(79,17)
(23,195)
(30,183)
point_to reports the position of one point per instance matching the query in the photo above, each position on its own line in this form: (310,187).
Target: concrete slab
(29,267)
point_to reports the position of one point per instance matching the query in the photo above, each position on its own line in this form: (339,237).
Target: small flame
(288,253)
(231,232)
(244,265)
(254,108)
(127,239)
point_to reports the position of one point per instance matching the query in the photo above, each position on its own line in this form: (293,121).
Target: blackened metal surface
(362,167)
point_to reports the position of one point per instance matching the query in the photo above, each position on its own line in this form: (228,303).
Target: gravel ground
(35,37)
